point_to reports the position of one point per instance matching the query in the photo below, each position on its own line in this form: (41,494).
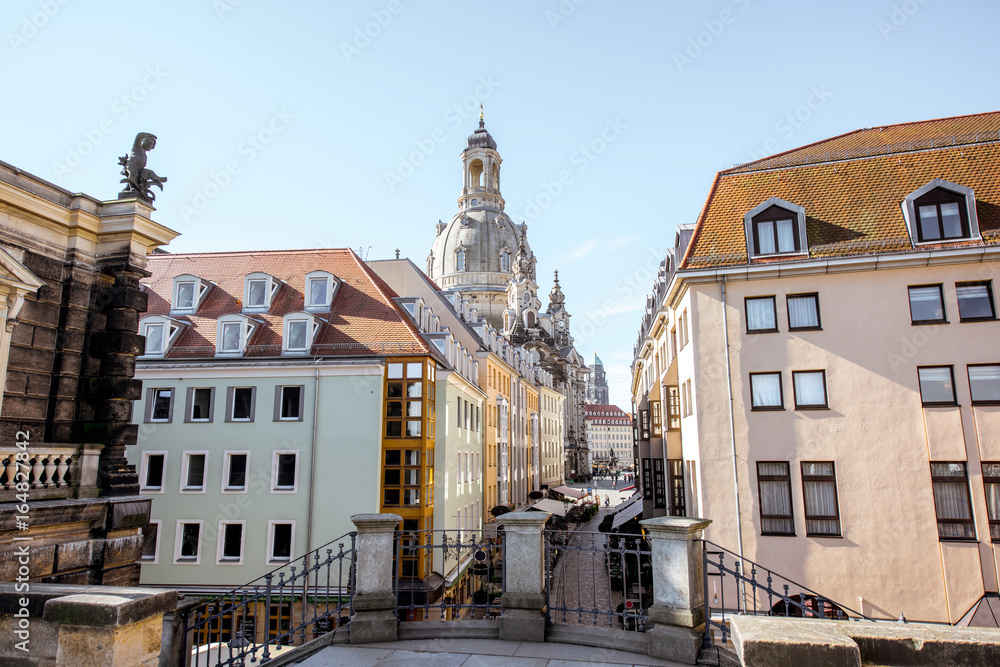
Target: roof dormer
(188,294)
(941,212)
(258,292)
(321,287)
(161,332)
(299,333)
(234,335)
(776,228)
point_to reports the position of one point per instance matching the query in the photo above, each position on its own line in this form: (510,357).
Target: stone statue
(137,177)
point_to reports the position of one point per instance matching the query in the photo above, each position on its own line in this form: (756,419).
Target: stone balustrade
(48,472)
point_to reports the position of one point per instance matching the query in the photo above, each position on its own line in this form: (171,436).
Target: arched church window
(505,260)
(460,260)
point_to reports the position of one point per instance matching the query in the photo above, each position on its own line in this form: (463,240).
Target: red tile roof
(851,187)
(363,319)
(595,410)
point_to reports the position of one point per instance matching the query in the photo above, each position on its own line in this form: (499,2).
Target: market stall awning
(570,493)
(625,503)
(550,506)
(627,514)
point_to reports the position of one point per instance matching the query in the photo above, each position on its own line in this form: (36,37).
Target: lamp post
(239,642)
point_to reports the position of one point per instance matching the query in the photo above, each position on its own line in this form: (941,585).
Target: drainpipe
(732,425)
(312,466)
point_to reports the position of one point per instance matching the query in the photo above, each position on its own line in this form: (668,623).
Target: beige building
(819,361)
(609,432)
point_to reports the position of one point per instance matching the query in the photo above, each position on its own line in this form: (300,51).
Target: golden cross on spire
(480,112)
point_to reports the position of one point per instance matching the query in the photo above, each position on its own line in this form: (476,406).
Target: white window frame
(226,460)
(189,406)
(331,289)
(200,289)
(171,332)
(178,538)
(910,214)
(221,541)
(247,325)
(185,460)
(271,286)
(155,560)
(274,471)
(231,405)
(269,554)
(279,392)
(151,393)
(144,469)
(797,212)
(312,328)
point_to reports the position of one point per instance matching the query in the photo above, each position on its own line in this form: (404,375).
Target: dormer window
(258,292)
(776,227)
(233,335)
(189,293)
(299,333)
(505,260)
(160,333)
(320,287)
(941,211)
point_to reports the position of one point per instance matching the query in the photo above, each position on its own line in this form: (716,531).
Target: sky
(340,124)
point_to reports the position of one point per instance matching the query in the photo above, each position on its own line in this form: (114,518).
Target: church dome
(481,138)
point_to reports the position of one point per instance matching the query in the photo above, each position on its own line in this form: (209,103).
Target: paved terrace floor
(475,653)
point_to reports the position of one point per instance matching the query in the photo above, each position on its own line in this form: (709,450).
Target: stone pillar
(524,567)
(678,587)
(110,629)
(374,618)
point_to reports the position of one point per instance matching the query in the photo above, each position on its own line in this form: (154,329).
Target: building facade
(609,432)
(70,266)
(826,337)
(597,383)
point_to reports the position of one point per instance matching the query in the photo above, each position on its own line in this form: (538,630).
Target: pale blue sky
(334,114)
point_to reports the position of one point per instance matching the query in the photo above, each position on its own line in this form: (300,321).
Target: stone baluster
(61,467)
(10,467)
(36,471)
(49,466)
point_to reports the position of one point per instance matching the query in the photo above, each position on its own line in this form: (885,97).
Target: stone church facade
(485,256)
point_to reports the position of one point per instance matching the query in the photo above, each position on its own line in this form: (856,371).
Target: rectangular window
(297,333)
(317,291)
(231,335)
(991,480)
(193,472)
(152,473)
(951,501)
(927,304)
(188,543)
(201,401)
(644,424)
(657,417)
(775,488)
(230,542)
(765,391)
(774,236)
(163,404)
(285,475)
(241,403)
(975,302)
(819,495)
(937,385)
(154,339)
(256,293)
(984,383)
(185,296)
(810,390)
(659,484)
(282,535)
(151,542)
(761,316)
(288,403)
(235,473)
(803,312)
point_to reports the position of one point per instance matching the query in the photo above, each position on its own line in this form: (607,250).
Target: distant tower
(474,252)
(597,383)
(523,305)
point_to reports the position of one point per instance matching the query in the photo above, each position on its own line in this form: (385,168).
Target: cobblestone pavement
(580,579)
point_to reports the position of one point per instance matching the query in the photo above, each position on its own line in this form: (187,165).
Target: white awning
(625,503)
(630,512)
(571,493)
(550,506)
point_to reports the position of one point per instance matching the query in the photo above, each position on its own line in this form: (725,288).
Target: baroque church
(485,255)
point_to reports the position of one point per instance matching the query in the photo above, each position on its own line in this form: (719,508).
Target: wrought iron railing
(741,586)
(603,579)
(449,575)
(305,598)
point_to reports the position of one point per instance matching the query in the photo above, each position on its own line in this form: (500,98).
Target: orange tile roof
(852,189)
(363,318)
